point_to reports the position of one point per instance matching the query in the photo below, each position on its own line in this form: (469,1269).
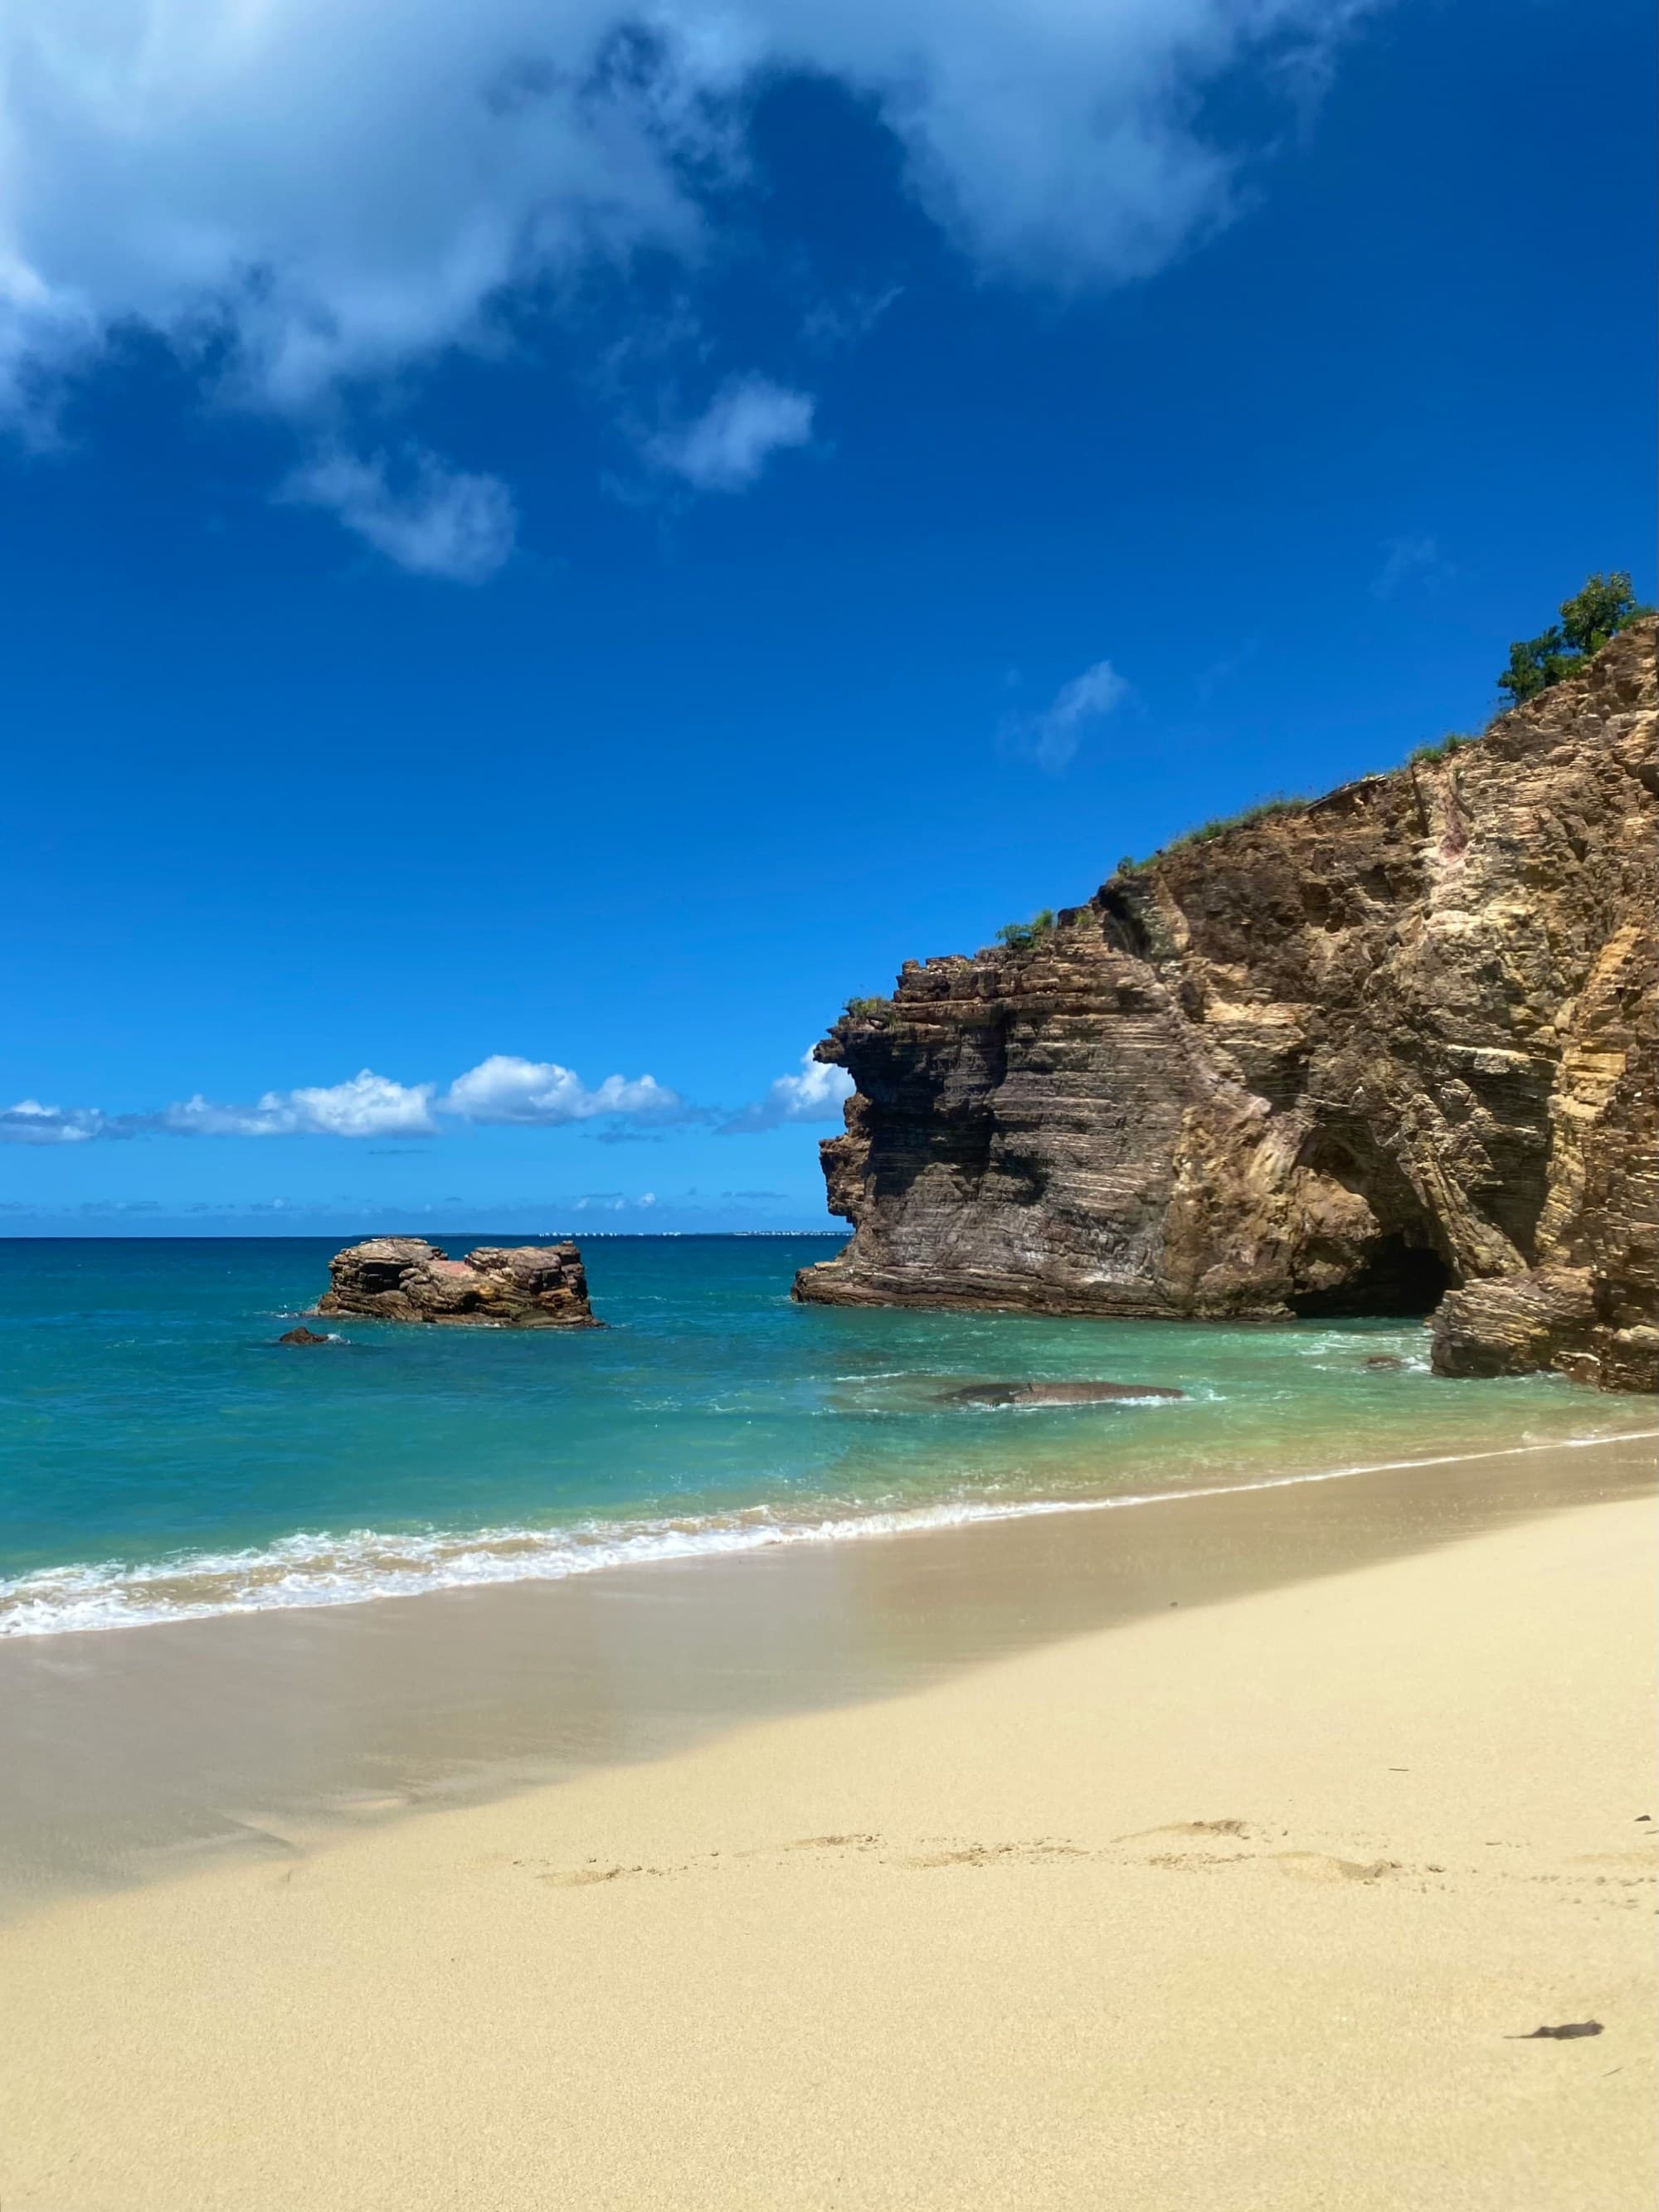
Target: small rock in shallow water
(1385,1362)
(302,1336)
(1055,1394)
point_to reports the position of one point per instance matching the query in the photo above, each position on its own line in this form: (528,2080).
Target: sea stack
(1388,1052)
(405,1279)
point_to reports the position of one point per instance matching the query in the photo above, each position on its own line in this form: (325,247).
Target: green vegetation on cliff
(1265,810)
(1020,936)
(1604,607)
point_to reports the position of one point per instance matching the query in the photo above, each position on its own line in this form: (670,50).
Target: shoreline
(282,1730)
(1252,1897)
(353,1567)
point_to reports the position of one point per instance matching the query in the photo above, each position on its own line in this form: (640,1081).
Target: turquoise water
(162,1456)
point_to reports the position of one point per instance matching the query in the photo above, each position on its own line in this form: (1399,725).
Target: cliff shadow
(1396,1280)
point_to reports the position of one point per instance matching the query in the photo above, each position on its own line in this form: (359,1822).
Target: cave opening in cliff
(1396,1279)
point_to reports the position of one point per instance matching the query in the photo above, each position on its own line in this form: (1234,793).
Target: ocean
(162,1457)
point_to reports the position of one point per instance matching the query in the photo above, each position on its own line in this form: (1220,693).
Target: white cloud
(1052,738)
(542,1093)
(436,521)
(501,1089)
(728,444)
(300,198)
(368,1105)
(815,1094)
(30,1122)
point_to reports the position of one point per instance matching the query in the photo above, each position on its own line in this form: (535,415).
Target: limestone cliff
(1392,1052)
(512,1287)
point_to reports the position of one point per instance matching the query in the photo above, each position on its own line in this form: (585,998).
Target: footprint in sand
(830,1844)
(1318,1866)
(988,1854)
(1187,1828)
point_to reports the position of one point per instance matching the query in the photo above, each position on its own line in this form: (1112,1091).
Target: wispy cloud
(30,1122)
(427,517)
(1405,558)
(832,324)
(1051,738)
(727,445)
(817,1094)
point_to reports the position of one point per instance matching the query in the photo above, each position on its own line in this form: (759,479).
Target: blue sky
(538,555)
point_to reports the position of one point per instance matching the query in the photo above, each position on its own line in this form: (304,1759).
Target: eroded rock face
(406,1279)
(1396,1045)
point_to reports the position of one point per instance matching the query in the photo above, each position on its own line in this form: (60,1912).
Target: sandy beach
(1253,1901)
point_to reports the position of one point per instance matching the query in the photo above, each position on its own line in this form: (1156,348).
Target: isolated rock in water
(1344,1058)
(1055,1394)
(300,1336)
(406,1279)
(1384,1363)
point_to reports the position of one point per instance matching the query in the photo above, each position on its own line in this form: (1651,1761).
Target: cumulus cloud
(430,519)
(1052,738)
(541,1093)
(368,1105)
(726,448)
(815,1094)
(214,172)
(534,1093)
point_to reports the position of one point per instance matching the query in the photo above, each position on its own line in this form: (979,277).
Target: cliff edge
(1392,1052)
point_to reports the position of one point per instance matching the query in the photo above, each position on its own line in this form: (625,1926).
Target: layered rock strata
(1392,1052)
(406,1279)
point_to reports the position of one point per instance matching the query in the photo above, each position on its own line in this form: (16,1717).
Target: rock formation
(1392,1052)
(300,1336)
(406,1279)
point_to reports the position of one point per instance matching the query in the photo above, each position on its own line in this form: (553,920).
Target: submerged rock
(495,1286)
(1346,1057)
(1385,1363)
(1055,1394)
(300,1336)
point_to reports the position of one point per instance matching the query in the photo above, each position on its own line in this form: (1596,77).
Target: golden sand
(1250,1906)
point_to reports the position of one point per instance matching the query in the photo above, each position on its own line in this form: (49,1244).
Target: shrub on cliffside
(1020,936)
(1588,619)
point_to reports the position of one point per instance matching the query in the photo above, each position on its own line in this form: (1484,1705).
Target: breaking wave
(328,1569)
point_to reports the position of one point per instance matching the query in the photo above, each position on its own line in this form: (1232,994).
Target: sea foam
(318,1569)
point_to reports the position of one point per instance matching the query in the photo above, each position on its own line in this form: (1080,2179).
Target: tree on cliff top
(1588,619)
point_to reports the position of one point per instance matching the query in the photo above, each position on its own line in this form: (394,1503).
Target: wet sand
(128,1754)
(1221,1851)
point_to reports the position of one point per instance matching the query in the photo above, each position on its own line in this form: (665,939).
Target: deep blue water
(161,1454)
